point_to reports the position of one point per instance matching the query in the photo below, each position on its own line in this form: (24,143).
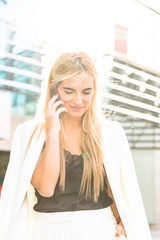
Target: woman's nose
(78,99)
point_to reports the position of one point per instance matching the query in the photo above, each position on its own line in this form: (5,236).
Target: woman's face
(77,93)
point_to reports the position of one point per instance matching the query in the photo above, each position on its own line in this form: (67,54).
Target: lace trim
(72,159)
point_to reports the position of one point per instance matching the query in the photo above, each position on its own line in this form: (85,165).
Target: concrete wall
(147,164)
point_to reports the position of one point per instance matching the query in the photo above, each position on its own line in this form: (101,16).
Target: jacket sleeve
(130,186)
(10,180)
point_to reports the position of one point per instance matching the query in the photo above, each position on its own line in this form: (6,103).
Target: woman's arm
(46,173)
(119,228)
(47,170)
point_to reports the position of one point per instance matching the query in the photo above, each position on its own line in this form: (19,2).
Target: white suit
(17,217)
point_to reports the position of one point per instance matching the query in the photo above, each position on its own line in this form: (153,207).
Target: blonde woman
(71,174)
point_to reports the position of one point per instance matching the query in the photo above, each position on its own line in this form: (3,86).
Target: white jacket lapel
(112,165)
(27,171)
(123,181)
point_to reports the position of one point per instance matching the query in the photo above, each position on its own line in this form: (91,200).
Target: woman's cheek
(63,97)
(66,99)
(90,98)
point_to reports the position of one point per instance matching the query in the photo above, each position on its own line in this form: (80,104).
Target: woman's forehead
(81,81)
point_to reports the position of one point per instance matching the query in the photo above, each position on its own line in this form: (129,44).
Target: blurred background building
(123,39)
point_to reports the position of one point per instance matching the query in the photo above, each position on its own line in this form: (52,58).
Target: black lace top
(69,199)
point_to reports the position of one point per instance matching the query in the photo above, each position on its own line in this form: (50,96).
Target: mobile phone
(53,91)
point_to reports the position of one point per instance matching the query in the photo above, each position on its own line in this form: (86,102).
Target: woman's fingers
(54,103)
(53,99)
(61,109)
(57,104)
(120,231)
(54,109)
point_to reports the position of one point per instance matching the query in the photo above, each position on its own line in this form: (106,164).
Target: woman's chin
(74,114)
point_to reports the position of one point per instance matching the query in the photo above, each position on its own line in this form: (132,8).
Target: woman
(71,175)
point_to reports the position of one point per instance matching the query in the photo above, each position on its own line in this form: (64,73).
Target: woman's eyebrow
(67,88)
(86,89)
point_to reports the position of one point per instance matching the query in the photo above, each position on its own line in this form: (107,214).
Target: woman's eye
(68,92)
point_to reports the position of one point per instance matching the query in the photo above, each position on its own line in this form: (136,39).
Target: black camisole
(70,199)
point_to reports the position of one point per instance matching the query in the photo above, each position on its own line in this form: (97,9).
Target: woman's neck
(72,131)
(71,123)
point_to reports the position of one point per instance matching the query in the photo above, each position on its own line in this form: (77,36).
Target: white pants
(76,225)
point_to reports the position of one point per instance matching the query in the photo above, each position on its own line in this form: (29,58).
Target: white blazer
(17,217)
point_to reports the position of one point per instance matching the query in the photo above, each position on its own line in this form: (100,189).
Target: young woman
(71,174)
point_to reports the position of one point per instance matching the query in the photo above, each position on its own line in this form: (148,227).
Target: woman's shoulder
(109,124)
(113,130)
(25,127)
(29,124)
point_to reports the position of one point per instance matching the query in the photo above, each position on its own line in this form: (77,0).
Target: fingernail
(117,235)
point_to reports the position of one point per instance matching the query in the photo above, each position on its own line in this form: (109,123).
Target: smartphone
(53,91)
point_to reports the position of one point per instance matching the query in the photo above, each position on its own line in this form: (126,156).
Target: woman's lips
(76,108)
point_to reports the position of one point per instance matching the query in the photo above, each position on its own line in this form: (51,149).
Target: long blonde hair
(67,65)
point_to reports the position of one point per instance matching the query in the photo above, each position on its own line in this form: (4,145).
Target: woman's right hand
(53,112)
